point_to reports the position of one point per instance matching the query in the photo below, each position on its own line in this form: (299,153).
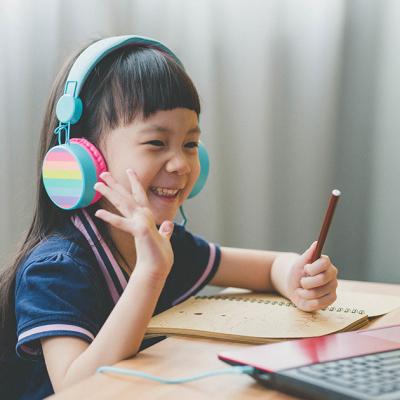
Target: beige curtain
(298,96)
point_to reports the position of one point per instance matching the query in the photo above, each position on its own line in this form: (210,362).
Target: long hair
(133,80)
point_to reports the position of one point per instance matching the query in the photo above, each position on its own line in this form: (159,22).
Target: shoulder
(189,246)
(59,251)
(185,241)
(195,263)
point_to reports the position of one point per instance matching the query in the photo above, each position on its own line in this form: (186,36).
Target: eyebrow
(164,129)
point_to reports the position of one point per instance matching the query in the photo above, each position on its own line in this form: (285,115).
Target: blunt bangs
(134,81)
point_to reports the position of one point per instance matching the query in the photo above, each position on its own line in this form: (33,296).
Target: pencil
(326,224)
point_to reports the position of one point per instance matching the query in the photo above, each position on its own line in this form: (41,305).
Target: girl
(87,281)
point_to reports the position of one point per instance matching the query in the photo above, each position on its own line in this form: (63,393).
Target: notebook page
(238,317)
(372,304)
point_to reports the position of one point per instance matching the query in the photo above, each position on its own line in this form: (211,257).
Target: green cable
(131,372)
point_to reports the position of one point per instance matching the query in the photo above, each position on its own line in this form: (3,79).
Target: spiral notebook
(261,317)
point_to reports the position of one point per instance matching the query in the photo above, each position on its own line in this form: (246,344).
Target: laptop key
(372,375)
(389,354)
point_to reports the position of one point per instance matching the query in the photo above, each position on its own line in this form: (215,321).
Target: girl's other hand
(154,255)
(312,286)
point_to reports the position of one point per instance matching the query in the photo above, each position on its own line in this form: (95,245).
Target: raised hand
(154,255)
(312,286)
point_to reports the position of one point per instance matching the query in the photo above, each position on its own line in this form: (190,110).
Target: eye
(157,143)
(192,145)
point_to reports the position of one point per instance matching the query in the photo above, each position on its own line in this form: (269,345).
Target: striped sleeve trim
(55,327)
(210,265)
(28,345)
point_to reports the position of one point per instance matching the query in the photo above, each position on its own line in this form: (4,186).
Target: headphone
(71,169)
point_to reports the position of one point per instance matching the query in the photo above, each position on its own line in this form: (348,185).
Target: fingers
(113,184)
(318,289)
(305,258)
(114,192)
(317,304)
(316,293)
(113,197)
(113,219)
(166,229)
(137,189)
(318,266)
(320,273)
(124,201)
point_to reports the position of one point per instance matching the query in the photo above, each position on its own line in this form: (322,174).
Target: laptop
(361,365)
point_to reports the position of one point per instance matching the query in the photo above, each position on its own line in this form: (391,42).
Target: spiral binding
(286,303)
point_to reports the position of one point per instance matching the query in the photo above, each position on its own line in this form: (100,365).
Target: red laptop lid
(296,353)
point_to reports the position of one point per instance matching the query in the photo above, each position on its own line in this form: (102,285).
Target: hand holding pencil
(312,282)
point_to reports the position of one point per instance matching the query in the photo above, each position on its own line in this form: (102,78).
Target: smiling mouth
(165,192)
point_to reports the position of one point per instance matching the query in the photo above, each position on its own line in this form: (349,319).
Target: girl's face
(162,150)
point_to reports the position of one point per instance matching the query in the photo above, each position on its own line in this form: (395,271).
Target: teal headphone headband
(72,168)
(69,106)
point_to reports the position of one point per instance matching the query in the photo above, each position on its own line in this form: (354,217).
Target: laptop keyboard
(373,375)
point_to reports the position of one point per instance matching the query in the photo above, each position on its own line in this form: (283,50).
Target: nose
(178,163)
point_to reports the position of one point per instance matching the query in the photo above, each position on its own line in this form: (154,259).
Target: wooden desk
(177,357)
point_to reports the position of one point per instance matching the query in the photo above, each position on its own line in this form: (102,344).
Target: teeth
(164,192)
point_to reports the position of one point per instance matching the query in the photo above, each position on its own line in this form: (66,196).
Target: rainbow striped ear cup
(70,171)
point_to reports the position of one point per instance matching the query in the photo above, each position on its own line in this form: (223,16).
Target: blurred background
(298,97)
